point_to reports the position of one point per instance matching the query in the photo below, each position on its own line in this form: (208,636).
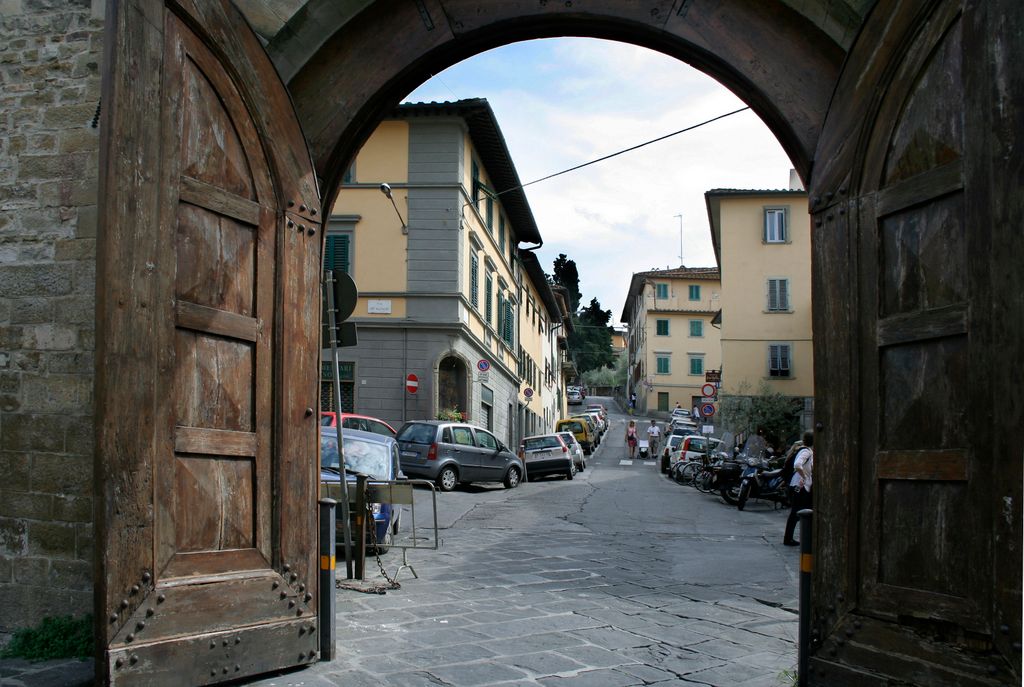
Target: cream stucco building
(762,242)
(446,290)
(671,341)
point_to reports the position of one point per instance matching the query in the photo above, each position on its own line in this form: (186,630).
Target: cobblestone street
(619,577)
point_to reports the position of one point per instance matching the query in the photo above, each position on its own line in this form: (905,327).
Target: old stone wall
(50,53)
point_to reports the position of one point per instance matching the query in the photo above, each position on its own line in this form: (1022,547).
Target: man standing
(800,486)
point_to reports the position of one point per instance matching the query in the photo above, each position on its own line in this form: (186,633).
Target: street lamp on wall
(386,190)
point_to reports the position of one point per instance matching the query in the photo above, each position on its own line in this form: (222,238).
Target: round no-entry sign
(708,390)
(412,383)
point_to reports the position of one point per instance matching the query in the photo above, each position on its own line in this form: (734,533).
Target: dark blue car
(373,454)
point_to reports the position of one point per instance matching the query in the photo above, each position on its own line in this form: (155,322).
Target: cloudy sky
(562,102)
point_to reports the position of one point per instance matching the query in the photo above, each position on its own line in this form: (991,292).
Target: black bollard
(806,567)
(328,546)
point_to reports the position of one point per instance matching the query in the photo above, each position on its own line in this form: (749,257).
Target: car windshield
(573,426)
(567,437)
(360,455)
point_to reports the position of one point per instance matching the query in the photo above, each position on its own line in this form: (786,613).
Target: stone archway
(452,384)
(816,76)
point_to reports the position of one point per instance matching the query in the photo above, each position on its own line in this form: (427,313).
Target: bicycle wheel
(688,473)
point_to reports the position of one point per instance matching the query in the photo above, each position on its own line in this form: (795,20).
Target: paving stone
(596,656)
(532,643)
(472,674)
(612,638)
(436,656)
(544,663)
(593,678)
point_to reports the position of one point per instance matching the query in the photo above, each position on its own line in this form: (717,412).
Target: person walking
(695,414)
(631,438)
(632,402)
(800,487)
(653,434)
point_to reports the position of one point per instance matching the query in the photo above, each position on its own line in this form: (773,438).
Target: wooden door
(917,506)
(207,354)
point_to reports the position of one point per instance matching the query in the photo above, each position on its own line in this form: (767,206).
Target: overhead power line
(624,150)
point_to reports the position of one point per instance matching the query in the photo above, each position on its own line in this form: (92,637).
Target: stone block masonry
(50,55)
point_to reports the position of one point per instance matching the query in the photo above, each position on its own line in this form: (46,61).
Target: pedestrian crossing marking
(625,462)
(648,462)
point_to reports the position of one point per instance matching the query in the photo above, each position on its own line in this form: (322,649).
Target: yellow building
(671,343)
(762,242)
(443,293)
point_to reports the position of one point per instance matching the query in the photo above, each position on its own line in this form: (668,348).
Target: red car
(353,421)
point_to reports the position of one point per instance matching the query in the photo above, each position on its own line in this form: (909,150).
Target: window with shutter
(664,365)
(662,328)
(501,233)
(336,253)
(696,365)
(501,316)
(474,280)
(778,295)
(779,361)
(696,327)
(476,185)
(510,328)
(694,292)
(661,291)
(490,214)
(489,300)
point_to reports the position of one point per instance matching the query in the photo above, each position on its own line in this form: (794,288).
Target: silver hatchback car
(450,453)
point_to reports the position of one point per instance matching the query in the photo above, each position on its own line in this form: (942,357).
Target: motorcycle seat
(770,474)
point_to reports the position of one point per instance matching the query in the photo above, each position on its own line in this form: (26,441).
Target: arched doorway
(839,93)
(452,386)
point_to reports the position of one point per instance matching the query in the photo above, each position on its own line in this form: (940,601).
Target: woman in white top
(800,486)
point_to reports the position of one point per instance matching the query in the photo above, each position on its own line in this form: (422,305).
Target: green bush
(60,637)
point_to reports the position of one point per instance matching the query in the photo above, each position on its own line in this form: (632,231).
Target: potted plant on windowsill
(451,414)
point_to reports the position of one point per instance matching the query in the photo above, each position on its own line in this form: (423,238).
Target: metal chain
(392,584)
(376,588)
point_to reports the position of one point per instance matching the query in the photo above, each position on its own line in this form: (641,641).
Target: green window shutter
(489,304)
(336,255)
(476,185)
(696,327)
(696,366)
(501,233)
(694,292)
(501,316)
(510,327)
(664,366)
(474,280)
(661,291)
(490,214)
(662,327)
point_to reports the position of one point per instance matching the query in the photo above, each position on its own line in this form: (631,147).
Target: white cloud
(562,102)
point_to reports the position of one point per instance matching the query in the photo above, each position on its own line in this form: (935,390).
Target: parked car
(581,429)
(369,453)
(598,408)
(696,445)
(599,422)
(684,423)
(450,453)
(669,450)
(574,397)
(594,424)
(575,450)
(546,454)
(364,423)
(680,412)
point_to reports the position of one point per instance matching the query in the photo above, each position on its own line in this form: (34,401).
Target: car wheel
(512,478)
(447,479)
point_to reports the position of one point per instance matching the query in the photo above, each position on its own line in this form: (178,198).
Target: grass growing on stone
(59,637)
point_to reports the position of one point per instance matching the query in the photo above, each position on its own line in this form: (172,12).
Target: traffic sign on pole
(412,383)
(708,389)
(707,410)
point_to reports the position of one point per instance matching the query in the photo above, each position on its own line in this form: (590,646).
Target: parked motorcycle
(761,481)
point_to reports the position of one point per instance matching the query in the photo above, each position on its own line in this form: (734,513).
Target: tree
(608,376)
(777,415)
(568,276)
(591,341)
